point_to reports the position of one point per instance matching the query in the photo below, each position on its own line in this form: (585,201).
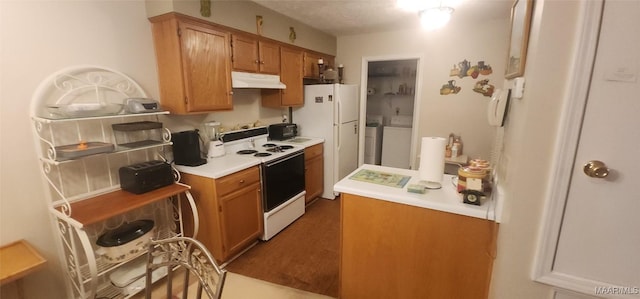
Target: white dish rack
(83,192)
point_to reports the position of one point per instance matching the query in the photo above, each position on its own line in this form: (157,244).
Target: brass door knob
(596,169)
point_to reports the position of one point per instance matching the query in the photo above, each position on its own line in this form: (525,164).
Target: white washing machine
(396,142)
(373,144)
(373,140)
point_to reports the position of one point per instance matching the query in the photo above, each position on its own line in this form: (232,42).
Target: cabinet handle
(241,181)
(257,61)
(231,93)
(262,62)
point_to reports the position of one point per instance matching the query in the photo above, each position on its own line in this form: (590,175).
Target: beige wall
(463,113)
(529,136)
(242,15)
(39,38)
(528,148)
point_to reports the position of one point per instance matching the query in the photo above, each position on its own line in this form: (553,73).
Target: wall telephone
(497,108)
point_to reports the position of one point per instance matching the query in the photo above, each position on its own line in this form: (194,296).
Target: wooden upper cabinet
(269,57)
(291,76)
(311,63)
(255,56)
(194,65)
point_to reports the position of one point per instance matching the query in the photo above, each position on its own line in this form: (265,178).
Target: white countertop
(446,199)
(303,141)
(230,162)
(221,166)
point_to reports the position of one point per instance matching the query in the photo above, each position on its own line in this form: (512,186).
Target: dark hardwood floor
(302,256)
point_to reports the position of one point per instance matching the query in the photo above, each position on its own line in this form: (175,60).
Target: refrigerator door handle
(338,118)
(337,128)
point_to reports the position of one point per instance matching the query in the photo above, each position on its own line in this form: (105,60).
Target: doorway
(389,111)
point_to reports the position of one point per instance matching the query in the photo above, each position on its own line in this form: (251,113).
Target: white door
(599,238)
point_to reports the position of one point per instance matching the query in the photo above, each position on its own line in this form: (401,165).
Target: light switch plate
(518,88)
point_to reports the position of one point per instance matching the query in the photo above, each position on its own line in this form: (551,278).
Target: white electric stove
(282,175)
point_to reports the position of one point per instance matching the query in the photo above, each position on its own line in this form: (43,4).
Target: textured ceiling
(345,17)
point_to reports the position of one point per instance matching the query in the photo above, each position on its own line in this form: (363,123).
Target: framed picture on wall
(519,38)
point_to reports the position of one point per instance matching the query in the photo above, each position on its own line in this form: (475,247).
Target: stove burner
(269,145)
(262,155)
(246,152)
(275,149)
(286,147)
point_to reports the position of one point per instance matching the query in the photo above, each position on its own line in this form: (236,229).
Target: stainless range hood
(251,80)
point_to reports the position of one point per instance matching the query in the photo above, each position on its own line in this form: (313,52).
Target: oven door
(282,179)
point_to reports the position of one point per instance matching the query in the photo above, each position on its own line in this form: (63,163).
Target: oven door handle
(283,159)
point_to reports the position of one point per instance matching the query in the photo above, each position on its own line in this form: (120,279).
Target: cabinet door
(206,68)
(269,54)
(241,219)
(314,178)
(245,54)
(390,250)
(311,63)
(291,75)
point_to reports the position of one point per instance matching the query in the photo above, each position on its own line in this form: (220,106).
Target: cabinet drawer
(313,151)
(237,180)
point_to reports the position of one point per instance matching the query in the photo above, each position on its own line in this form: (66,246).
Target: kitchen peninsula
(397,244)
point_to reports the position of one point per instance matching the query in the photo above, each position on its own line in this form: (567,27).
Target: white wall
(39,38)
(463,113)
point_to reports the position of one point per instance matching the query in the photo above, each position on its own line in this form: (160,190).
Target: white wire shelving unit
(83,191)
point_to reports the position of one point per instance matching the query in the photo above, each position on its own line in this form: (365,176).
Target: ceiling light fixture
(435,17)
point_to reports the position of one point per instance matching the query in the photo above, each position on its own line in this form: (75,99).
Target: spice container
(457,141)
(471,178)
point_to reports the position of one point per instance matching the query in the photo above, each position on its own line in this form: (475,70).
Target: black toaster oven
(146,176)
(283,131)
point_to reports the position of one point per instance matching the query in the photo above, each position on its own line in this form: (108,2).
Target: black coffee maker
(186,148)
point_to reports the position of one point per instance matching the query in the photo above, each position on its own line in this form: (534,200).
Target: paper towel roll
(432,159)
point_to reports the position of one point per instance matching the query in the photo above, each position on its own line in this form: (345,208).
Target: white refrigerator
(330,112)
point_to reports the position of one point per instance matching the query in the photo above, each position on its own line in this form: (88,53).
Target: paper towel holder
(432,162)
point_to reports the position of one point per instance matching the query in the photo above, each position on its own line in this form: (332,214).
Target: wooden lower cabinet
(391,250)
(229,209)
(313,171)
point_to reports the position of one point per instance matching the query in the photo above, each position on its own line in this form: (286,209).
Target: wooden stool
(17,260)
